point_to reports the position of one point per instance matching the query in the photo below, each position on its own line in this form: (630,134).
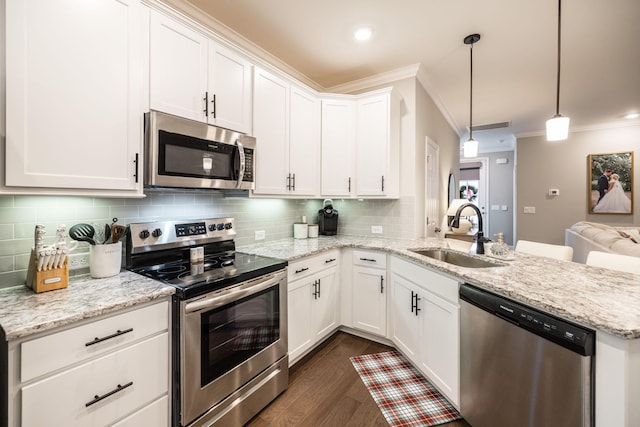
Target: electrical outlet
(376,229)
(260,235)
(79,261)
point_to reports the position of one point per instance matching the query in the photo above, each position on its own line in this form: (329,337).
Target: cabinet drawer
(61,400)
(313,264)
(64,348)
(155,414)
(370,259)
(439,284)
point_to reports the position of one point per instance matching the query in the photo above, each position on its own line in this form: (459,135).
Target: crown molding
(376,80)
(425,81)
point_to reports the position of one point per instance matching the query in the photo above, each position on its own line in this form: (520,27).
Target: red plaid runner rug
(403,395)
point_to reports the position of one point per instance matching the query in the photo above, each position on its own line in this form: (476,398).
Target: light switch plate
(529,209)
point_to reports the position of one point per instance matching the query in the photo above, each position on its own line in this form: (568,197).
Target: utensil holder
(105,260)
(47,280)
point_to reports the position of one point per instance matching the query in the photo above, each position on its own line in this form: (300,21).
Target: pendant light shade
(471,146)
(558,126)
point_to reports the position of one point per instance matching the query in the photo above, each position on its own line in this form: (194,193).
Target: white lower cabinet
(115,369)
(369,292)
(425,323)
(313,309)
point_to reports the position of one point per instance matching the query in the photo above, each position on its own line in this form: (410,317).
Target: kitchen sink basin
(456,258)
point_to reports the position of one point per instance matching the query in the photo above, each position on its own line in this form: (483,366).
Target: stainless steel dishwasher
(520,367)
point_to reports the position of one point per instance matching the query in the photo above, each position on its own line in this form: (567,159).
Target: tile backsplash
(20,214)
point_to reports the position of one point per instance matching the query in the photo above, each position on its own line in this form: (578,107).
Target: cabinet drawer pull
(98,398)
(213,101)
(383,183)
(329,260)
(302,269)
(117,334)
(368,259)
(206,104)
(381,284)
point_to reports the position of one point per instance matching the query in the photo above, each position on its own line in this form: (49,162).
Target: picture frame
(610,187)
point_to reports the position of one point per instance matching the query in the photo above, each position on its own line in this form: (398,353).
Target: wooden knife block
(49,280)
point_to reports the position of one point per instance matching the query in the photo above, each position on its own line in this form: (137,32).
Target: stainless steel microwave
(183,153)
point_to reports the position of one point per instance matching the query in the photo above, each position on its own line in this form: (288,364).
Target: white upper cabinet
(177,69)
(304,142)
(73,97)
(286,126)
(360,145)
(338,136)
(191,76)
(229,94)
(271,130)
(377,151)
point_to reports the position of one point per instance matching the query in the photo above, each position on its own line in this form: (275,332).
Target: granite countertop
(25,313)
(598,298)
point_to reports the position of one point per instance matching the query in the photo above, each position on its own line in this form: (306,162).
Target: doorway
(474,187)
(432,187)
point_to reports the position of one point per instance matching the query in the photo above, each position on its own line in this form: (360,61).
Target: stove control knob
(212,227)
(228,226)
(156,233)
(220,226)
(144,234)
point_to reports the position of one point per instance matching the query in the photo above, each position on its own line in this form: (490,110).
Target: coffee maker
(328,219)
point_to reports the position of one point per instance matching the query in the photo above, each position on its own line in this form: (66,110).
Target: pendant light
(558,126)
(471,146)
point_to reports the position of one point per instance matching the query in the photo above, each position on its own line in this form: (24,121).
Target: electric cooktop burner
(161,250)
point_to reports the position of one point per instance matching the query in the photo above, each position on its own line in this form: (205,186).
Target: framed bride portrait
(611,183)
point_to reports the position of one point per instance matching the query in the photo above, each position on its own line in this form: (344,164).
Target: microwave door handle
(242,163)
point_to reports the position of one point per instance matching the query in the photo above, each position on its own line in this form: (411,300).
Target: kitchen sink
(456,258)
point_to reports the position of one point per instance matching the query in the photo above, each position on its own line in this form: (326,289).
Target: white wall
(541,165)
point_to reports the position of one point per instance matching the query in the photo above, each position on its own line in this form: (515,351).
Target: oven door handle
(232,294)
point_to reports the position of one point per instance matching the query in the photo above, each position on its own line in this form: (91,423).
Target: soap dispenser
(499,248)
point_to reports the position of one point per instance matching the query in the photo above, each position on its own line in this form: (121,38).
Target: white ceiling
(514,62)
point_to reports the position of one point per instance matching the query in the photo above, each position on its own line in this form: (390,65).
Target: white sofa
(585,237)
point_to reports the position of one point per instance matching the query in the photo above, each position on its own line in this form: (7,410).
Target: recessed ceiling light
(632,116)
(363,34)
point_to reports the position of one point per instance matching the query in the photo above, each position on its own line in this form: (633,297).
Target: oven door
(187,154)
(228,338)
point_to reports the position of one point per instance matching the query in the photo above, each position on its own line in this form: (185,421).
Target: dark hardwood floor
(325,390)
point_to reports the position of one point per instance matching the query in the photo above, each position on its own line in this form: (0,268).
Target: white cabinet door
(177,69)
(405,323)
(230,89)
(126,380)
(271,129)
(440,345)
(299,317)
(304,142)
(370,300)
(73,94)
(372,146)
(325,307)
(338,129)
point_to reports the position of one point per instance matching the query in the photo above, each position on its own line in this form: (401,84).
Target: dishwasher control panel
(567,334)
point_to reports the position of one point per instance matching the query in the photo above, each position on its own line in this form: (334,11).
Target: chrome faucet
(480,234)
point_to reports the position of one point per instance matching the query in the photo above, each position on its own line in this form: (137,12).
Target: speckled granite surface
(24,312)
(601,299)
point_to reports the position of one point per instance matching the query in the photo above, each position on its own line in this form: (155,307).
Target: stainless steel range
(229,318)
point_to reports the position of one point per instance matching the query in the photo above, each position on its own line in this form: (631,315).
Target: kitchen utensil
(83,233)
(107,233)
(117,231)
